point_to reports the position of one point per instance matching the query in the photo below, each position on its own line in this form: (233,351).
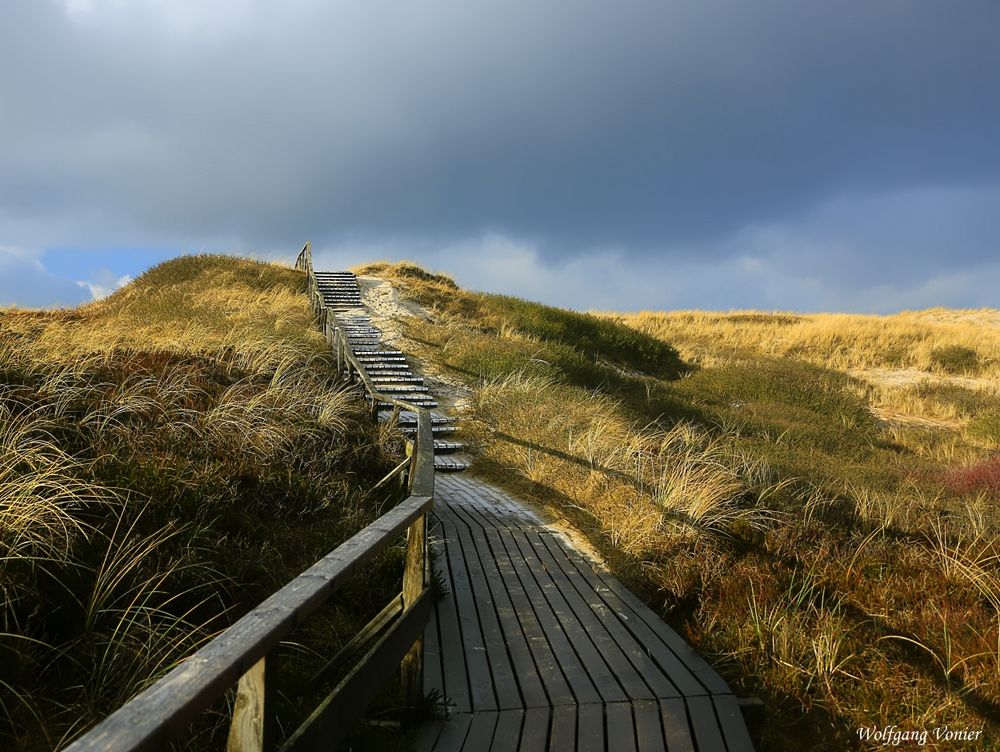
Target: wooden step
(409,418)
(447,464)
(411,430)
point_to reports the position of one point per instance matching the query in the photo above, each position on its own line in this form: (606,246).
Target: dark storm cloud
(669,129)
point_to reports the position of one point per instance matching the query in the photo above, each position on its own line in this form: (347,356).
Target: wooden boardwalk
(533,648)
(536,648)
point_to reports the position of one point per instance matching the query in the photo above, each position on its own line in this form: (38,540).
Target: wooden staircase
(387,368)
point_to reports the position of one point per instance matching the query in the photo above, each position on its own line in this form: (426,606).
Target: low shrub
(955,359)
(981,477)
(987,425)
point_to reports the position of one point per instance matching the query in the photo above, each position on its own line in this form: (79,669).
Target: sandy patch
(979,317)
(902,377)
(388,311)
(575,539)
(905,419)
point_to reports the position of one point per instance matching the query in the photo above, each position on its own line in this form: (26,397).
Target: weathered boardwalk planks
(535,648)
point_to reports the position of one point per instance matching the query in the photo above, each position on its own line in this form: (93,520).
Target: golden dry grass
(169,456)
(816,554)
(845,342)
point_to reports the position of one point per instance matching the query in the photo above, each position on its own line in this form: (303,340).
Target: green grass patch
(956,359)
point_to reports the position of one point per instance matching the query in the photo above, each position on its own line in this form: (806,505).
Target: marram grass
(169,457)
(788,491)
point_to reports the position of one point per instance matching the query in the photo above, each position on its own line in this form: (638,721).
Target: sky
(641,154)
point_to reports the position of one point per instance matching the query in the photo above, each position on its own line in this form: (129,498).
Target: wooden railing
(245,654)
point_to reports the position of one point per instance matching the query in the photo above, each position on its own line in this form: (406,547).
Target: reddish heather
(983,476)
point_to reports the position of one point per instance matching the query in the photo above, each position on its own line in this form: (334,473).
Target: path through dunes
(535,646)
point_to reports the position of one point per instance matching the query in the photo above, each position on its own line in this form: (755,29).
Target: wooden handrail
(303,262)
(245,651)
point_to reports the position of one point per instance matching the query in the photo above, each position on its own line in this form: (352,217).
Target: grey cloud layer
(670,129)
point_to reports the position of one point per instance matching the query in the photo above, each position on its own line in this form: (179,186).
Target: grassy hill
(169,456)
(811,500)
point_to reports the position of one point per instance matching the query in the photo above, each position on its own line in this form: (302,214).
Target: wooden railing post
(252,728)
(414,583)
(336,346)
(415,570)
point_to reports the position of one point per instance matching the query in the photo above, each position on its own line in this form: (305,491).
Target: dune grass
(954,342)
(169,456)
(732,470)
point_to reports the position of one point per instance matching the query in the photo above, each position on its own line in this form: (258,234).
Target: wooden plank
(535,733)
(455,672)
(507,737)
(585,655)
(165,709)
(422,480)
(676,728)
(653,661)
(472,643)
(562,735)
(706,675)
(481,731)
(707,733)
(558,665)
(433,676)
(513,638)
(331,721)
(625,657)
(463,502)
(537,668)
(252,728)
(392,474)
(433,670)
(505,680)
(358,643)
(453,733)
(464,513)
(648,629)
(621,730)
(478,514)
(486,505)
(734,727)
(426,737)
(590,729)
(648,727)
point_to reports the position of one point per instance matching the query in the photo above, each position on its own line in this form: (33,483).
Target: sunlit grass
(825,555)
